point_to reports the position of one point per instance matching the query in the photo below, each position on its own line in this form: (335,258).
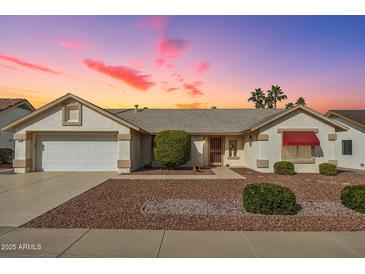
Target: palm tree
(277,95)
(289,105)
(269,100)
(300,101)
(258,97)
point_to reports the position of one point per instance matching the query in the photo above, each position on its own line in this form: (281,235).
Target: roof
(196,121)
(356,116)
(6,103)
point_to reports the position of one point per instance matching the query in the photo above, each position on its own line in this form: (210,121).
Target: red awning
(300,138)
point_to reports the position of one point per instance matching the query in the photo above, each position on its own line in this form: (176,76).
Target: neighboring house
(71,133)
(350,145)
(11,110)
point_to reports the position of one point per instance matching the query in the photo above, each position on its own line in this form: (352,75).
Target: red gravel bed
(179,171)
(119,203)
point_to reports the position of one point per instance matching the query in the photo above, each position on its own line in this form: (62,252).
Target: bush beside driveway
(120,203)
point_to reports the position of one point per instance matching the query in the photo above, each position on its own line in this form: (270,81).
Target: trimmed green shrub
(172,148)
(354,197)
(6,155)
(328,169)
(267,198)
(284,168)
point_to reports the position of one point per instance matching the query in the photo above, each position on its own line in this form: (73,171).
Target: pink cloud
(194,89)
(71,44)
(155,22)
(202,67)
(10,68)
(171,89)
(127,75)
(137,64)
(28,64)
(195,105)
(172,48)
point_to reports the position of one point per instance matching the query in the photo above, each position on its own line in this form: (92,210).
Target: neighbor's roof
(196,120)
(357,116)
(6,103)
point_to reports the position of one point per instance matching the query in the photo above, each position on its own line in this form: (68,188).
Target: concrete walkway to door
(26,196)
(219,173)
(180,244)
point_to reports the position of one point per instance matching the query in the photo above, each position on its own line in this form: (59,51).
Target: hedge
(172,148)
(6,155)
(284,168)
(353,197)
(328,169)
(267,198)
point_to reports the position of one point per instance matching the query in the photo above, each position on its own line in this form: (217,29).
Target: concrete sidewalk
(219,173)
(31,242)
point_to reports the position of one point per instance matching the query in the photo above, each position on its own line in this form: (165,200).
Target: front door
(215,150)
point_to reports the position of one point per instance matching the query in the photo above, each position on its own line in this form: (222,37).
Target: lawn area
(205,205)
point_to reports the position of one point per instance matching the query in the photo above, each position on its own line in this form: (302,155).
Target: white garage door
(76,153)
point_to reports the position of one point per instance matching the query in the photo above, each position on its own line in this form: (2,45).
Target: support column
(124,148)
(23,161)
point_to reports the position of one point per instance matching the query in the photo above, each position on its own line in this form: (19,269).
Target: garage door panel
(77,153)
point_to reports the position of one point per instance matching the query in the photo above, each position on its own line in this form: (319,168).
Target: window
(346,147)
(72,114)
(232,148)
(303,154)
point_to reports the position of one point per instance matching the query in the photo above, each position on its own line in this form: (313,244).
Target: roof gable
(62,99)
(305,109)
(6,103)
(356,117)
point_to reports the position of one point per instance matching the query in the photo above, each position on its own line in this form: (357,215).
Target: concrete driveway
(26,196)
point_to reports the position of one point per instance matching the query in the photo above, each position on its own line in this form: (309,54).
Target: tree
(258,98)
(275,95)
(172,148)
(300,101)
(269,100)
(289,105)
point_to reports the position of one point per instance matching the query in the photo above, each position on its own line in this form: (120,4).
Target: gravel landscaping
(222,207)
(205,205)
(178,171)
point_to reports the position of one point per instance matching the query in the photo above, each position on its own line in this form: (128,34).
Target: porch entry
(215,151)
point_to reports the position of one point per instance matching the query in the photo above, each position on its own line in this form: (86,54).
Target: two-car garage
(76,152)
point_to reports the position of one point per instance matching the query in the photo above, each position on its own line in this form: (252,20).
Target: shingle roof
(355,115)
(196,120)
(6,103)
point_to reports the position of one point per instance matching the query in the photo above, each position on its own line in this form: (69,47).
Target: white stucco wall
(357,135)
(250,151)
(6,117)
(271,150)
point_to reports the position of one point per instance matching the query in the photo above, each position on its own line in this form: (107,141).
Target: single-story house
(350,144)
(73,134)
(11,110)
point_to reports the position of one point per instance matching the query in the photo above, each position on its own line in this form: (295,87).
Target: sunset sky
(184,61)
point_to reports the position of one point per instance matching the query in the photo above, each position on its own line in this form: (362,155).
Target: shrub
(266,198)
(284,168)
(172,148)
(6,155)
(328,169)
(354,197)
